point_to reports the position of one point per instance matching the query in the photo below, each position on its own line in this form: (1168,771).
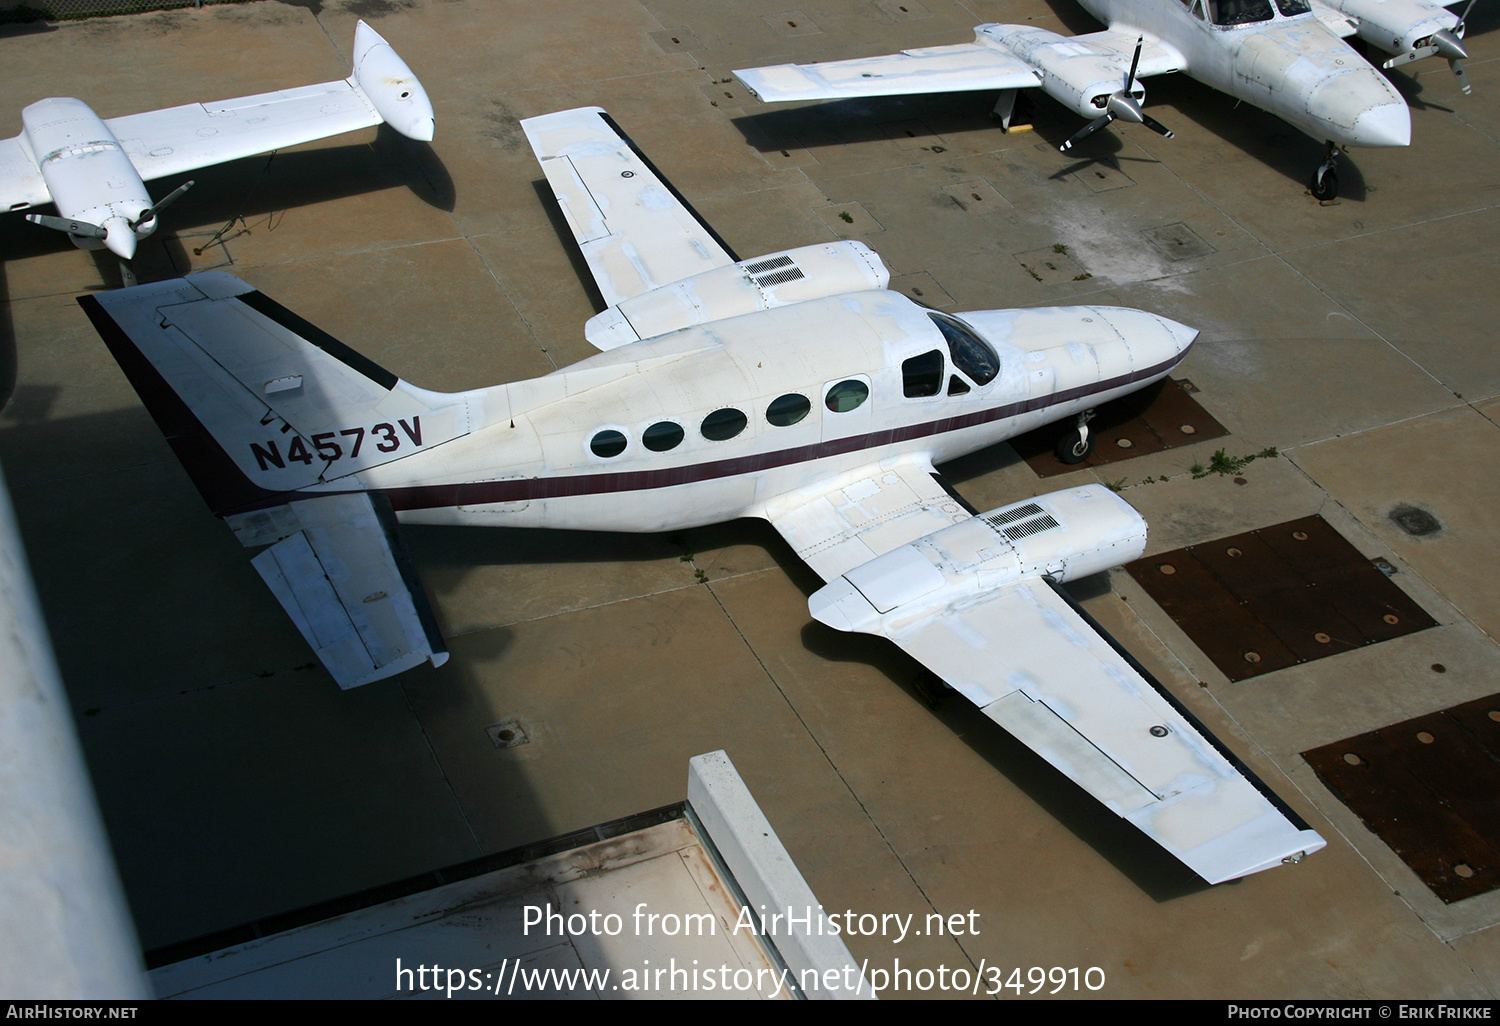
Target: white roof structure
(666,904)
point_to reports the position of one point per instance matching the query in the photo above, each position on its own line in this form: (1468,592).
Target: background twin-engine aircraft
(793,387)
(95,170)
(1284,56)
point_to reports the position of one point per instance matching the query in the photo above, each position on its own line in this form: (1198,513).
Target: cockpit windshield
(971,354)
(1240,12)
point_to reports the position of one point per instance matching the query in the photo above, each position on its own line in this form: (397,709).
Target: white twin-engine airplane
(95,170)
(1284,56)
(792,387)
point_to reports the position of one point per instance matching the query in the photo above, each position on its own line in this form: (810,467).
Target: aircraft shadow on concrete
(1150,868)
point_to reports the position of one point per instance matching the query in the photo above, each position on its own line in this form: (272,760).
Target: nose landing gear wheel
(1325,186)
(1073,447)
(1325,182)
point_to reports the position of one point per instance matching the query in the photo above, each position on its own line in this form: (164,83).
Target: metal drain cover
(1278,596)
(1430,789)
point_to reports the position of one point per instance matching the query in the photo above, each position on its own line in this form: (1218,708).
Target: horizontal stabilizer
(347,584)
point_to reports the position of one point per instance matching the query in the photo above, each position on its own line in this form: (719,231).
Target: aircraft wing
(178,139)
(835,527)
(1001,57)
(382,89)
(635,230)
(935,69)
(21,184)
(972,598)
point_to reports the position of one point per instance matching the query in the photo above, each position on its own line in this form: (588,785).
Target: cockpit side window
(1239,12)
(971,354)
(922,376)
(1292,8)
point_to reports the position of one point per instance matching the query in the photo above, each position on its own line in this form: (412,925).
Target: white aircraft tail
(383,78)
(273,418)
(257,402)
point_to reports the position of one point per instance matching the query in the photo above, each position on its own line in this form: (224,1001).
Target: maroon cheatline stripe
(479,493)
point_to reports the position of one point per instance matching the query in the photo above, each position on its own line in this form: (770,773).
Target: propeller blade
(1086,131)
(1458,73)
(1409,56)
(1135,62)
(63,224)
(152,211)
(1463,19)
(1156,126)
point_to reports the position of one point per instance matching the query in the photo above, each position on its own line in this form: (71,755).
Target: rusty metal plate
(1278,596)
(1430,789)
(1163,416)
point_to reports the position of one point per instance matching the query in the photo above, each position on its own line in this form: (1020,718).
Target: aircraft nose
(1360,107)
(1182,335)
(1149,339)
(1386,125)
(120,238)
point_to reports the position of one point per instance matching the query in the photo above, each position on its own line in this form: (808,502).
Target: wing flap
(636,231)
(843,524)
(936,69)
(345,581)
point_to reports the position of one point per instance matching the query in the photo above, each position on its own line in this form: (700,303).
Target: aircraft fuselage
(1293,67)
(643,449)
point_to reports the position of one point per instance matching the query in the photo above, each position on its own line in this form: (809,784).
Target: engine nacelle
(779,279)
(1074,73)
(1062,535)
(1391,27)
(88,174)
(390,86)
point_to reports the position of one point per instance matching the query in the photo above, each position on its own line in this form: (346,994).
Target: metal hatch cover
(1278,596)
(1429,788)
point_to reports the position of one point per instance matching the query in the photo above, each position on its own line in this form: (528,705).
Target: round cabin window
(788,409)
(661,436)
(607,443)
(722,425)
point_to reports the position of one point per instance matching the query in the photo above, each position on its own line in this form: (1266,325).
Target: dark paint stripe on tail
(269,308)
(222,484)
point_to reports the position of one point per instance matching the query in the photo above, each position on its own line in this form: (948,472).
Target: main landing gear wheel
(1325,186)
(1073,446)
